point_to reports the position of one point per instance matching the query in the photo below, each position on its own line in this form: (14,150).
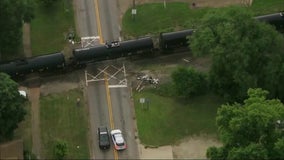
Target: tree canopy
(12,15)
(245,53)
(11,107)
(47,3)
(251,130)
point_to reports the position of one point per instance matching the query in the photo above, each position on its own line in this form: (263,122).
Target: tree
(47,3)
(279,148)
(189,82)
(29,11)
(60,149)
(11,107)
(245,53)
(12,15)
(249,131)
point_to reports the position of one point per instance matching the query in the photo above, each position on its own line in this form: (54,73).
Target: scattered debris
(186,60)
(144,80)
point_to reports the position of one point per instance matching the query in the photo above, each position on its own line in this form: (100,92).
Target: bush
(189,82)
(60,149)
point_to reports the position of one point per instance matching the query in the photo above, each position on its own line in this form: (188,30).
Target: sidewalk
(27,40)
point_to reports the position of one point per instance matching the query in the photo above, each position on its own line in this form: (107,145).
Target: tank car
(41,63)
(276,19)
(172,40)
(112,50)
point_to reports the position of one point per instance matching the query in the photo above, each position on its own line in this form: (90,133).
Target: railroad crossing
(115,75)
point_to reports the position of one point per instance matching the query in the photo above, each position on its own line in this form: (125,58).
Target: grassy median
(61,118)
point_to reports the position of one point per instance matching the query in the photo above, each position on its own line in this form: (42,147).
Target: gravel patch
(194,147)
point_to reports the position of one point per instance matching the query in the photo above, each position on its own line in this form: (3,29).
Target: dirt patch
(27,40)
(194,147)
(164,152)
(62,82)
(36,141)
(57,87)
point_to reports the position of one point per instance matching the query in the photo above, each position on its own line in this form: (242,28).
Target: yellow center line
(98,21)
(110,112)
(109,103)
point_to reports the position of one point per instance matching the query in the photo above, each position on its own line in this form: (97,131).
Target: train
(171,40)
(112,50)
(21,67)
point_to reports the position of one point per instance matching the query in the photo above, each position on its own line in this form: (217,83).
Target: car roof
(119,138)
(115,131)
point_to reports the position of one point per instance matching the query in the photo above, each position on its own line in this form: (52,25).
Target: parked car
(118,140)
(104,142)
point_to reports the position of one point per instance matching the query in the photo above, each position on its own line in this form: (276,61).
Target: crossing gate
(117,75)
(90,41)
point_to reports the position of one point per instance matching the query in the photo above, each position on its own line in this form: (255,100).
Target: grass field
(61,118)
(261,7)
(154,18)
(50,26)
(169,120)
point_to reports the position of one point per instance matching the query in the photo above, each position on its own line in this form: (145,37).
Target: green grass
(50,26)
(261,7)
(169,120)
(60,118)
(154,18)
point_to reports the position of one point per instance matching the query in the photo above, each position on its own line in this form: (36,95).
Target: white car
(23,93)
(117,139)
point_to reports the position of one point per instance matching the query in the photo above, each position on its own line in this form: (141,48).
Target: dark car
(104,142)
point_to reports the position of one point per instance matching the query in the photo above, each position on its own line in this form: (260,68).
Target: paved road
(107,107)
(86,24)
(97,18)
(98,117)
(111,107)
(109,16)
(123,119)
